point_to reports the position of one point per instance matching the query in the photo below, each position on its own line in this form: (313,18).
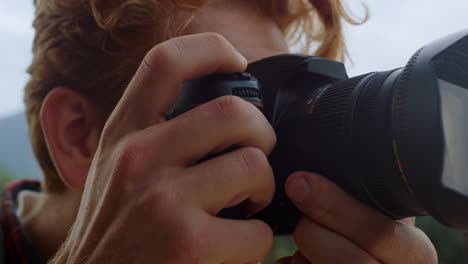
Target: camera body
(319,144)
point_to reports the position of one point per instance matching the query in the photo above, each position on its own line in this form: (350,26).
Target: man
(103,76)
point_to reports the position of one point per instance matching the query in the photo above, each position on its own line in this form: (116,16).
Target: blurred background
(395,30)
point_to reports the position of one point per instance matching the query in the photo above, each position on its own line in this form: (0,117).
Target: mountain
(16,155)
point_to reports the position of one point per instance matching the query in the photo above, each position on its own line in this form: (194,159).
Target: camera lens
(395,140)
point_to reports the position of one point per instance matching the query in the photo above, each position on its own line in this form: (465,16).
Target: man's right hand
(146,198)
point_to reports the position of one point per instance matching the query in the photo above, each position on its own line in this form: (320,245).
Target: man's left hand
(336,228)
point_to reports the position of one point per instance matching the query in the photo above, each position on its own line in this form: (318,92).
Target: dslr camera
(395,140)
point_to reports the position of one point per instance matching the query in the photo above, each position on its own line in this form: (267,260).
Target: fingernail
(299,189)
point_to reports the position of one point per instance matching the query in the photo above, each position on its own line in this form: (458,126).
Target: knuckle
(162,55)
(128,155)
(218,41)
(157,203)
(230,108)
(161,198)
(187,238)
(160,136)
(254,160)
(149,202)
(178,45)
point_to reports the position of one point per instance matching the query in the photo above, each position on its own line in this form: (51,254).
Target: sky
(395,30)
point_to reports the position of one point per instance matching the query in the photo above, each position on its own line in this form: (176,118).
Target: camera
(395,140)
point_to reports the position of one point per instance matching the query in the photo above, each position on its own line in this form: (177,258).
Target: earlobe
(71,131)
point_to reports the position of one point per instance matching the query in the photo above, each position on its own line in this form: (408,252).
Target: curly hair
(95,47)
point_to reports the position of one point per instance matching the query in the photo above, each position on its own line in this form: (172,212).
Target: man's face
(252,34)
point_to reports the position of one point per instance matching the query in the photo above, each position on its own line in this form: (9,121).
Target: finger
(210,128)
(230,179)
(320,245)
(236,241)
(387,240)
(156,84)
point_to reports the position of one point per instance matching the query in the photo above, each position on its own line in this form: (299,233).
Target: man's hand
(336,229)
(146,199)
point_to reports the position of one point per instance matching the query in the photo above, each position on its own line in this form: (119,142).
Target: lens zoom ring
(330,113)
(366,112)
(369,132)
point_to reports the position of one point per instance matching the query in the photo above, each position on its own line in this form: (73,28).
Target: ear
(72,129)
